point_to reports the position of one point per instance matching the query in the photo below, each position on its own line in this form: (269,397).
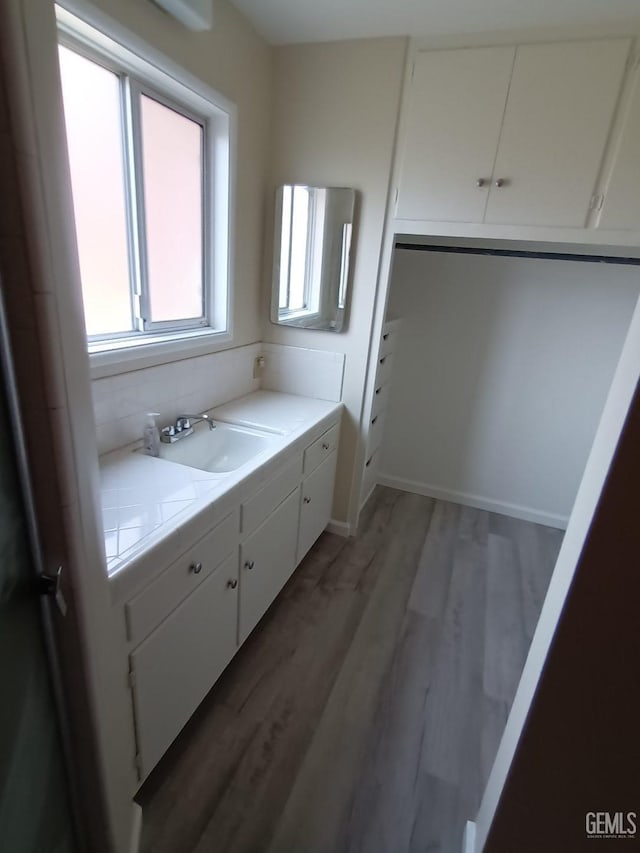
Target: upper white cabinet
(455,110)
(559,112)
(509,136)
(621,205)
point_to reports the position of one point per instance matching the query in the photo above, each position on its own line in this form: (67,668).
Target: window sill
(110,359)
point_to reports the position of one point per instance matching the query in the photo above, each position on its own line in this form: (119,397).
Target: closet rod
(517,253)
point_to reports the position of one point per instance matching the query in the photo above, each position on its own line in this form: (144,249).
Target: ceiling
(297,21)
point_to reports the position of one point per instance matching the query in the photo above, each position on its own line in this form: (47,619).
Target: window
(149,162)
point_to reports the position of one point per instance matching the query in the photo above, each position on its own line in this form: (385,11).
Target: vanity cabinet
(510,135)
(267,560)
(186,624)
(621,197)
(174,668)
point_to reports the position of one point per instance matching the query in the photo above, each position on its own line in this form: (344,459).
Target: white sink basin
(219,451)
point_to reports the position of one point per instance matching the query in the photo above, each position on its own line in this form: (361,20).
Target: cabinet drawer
(321,448)
(380,400)
(376,428)
(387,343)
(257,508)
(156,601)
(316,505)
(177,665)
(267,559)
(383,373)
(370,477)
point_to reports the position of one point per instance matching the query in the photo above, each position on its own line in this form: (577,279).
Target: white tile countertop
(154,509)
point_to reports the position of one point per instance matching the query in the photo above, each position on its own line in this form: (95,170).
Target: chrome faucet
(185,421)
(183,427)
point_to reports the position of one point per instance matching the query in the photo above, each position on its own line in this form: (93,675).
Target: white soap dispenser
(152,435)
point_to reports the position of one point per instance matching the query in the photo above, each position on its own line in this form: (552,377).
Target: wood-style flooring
(365,710)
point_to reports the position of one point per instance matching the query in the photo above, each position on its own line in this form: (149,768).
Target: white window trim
(86,25)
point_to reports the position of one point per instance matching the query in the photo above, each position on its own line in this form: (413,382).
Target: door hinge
(395,198)
(597,202)
(51,585)
(131,678)
(137,763)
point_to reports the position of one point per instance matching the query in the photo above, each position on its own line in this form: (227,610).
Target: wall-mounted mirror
(311,256)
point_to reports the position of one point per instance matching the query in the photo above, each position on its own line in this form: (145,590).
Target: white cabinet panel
(456,105)
(316,505)
(158,599)
(321,448)
(176,666)
(267,559)
(257,508)
(559,112)
(622,197)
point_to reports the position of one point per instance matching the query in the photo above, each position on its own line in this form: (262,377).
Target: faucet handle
(186,423)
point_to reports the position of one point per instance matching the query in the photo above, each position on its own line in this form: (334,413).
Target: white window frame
(88,31)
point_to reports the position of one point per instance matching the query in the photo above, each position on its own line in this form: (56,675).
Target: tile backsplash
(192,385)
(196,384)
(307,372)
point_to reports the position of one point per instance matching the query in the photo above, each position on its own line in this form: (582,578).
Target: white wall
(500,376)
(334,124)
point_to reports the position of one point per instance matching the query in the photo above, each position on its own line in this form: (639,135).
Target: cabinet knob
(325,446)
(499,182)
(232,583)
(249,564)
(196,568)
(307,500)
(481,182)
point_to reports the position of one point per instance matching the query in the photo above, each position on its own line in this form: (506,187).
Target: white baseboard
(469,838)
(340,528)
(136,828)
(477,501)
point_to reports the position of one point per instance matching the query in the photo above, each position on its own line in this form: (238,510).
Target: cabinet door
(560,108)
(317,501)
(455,109)
(267,559)
(621,208)
(179,662)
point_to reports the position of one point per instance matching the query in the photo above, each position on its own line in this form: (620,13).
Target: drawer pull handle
(196,568)
(249,565)
(384,337)
(307,500)
(368,462)
(383,359)
(378,390)
(232,584)
(373,420)
(325,446)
